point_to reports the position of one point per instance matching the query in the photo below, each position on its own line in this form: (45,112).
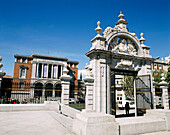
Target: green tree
(127,84)
(168,74)
(157,77)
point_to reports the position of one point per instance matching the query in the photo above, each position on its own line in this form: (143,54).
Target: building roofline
(49,57)
(23,56)
(45,57)
(74,62)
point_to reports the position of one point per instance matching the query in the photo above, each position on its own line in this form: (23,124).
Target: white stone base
(93,123)
(160,113)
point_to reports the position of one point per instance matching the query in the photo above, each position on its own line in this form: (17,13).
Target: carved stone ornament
(89,72)
(123,47)
(126,63)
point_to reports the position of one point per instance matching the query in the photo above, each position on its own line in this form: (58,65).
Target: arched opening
(48,90)
(38,90)
(113,41)
(58,90)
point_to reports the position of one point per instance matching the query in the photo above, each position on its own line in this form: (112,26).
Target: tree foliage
(157,77)
(127,84)
(168,74)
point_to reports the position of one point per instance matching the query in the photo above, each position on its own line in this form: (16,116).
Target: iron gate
(143,94)
(112,93)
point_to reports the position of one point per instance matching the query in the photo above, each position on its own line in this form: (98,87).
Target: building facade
(37,77)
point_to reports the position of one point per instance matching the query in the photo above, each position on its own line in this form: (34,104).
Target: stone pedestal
(94,123)
(65,84)
(164,86)
(89,83)
(160,113)
(165,97)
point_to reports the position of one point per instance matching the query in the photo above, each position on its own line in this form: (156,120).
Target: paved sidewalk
(34,123)
(40,123)
(158,133)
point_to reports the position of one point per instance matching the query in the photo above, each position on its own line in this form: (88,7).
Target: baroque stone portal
(117,50)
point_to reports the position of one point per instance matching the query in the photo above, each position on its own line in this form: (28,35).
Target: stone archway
(48,91)
(58,90)
(38,90)
(117,49)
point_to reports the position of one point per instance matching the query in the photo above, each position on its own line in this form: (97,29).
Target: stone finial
(163,83)
(142,40)
(65,71)
(121,16)
(98,29)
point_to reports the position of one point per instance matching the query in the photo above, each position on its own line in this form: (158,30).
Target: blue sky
(65,27)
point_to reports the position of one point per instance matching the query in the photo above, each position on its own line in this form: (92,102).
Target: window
(120,98)
(23,60)
(23,70)
(117,98)
(54,72)
(45,71)
(59,71)
(21,85)
(22,73)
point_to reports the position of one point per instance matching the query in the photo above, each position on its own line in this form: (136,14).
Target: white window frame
(21,71)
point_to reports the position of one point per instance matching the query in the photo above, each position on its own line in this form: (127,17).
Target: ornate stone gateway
(117,51)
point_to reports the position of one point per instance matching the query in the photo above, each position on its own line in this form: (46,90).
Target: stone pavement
(34,123)
(158,133)
(40,123)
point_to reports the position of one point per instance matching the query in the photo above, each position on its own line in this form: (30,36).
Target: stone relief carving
(131,48)
(123,47)
(123,63)
(107,31)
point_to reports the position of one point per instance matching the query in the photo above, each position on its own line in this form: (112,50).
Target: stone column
(42,70)
(56,71)
(61,70)
(52,66)
(164,86)
(33,70)
(43,92)
(1,74)
(65,84)
(89,83)
(53,94)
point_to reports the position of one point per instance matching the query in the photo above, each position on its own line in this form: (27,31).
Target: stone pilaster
(65,84)
(164,87)
(33,70)
(89,83)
